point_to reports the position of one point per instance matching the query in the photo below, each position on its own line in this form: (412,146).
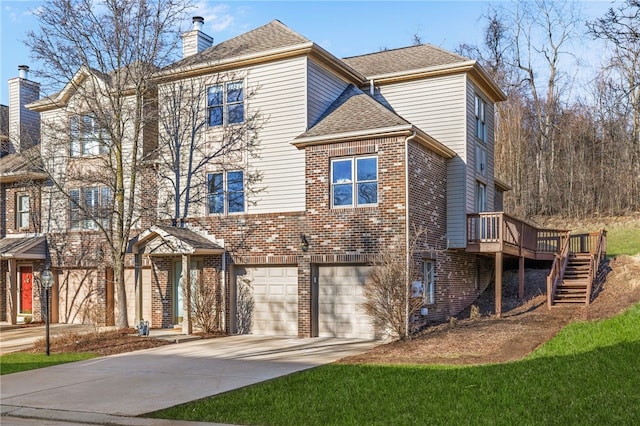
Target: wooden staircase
(575,286)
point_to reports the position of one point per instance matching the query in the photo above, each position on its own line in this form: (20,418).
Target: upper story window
(87,138)
(481,119)
(481,197)
(354,182)
(225,103)
(22,213)
(226,192)
(481,160)
(89,207)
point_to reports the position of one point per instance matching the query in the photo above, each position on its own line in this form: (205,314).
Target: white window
(87,139)
(22,217)
(481,123)
(481,160)
(225,103)
(354,182)
(226,192)
(429,281)
(89,207)
(481,197)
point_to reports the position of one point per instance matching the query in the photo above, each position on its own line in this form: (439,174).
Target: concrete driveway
(135,383)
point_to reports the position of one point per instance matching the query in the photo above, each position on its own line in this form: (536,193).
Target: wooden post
(13,292)
(521,278)
(499,284)
(187,327)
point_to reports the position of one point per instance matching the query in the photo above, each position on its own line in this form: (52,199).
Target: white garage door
(340,300)
(275,298)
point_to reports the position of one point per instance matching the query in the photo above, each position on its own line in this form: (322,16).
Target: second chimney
(195,41)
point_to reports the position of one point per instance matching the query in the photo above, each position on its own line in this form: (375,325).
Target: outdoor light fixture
(46,281)
(304,244)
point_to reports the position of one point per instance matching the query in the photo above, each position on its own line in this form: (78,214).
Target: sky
(344,28)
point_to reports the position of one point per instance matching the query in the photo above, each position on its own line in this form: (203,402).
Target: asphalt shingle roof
(273,35)
(190,237)
(403,59)
(353,111)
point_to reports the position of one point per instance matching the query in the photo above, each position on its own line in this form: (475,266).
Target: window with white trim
(481,121)
(354,182)
(481,197)
(429,281)
(225,103)
(22,213)
(225,192)
(90,207)
(87,138)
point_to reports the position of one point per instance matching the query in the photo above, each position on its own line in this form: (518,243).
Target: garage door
(340,300)
(275,299)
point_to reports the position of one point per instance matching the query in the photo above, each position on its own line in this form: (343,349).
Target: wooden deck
(499,234)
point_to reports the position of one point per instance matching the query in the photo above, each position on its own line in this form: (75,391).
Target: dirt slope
(525,324)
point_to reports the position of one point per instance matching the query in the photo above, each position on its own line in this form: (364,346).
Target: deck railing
(498,231)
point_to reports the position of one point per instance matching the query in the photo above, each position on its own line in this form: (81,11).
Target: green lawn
(623,240)
(588,374)
(20,361)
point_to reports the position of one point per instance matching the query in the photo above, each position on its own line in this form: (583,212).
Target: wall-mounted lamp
(304,244)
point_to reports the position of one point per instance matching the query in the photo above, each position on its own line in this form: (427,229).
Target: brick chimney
(24,125)
(195,41)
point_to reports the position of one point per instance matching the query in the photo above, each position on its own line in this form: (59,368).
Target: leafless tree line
(564,149)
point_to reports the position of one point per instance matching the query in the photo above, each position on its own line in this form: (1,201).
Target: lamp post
(46,281)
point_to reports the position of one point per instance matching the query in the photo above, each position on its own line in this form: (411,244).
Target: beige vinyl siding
(280,98)
(437,106)
(323,88)
(488,180)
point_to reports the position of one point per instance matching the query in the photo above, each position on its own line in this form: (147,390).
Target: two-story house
(22,244)
(354,154)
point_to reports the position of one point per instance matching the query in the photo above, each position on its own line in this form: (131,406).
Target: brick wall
(10,193)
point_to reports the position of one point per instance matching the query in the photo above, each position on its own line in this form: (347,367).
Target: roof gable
(163,239)
(403,59)
(354,111)
(272,36)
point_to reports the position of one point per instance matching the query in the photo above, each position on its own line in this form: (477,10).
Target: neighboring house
(22,244)
(354,155)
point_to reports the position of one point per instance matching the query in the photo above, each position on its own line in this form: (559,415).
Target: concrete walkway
(109,390)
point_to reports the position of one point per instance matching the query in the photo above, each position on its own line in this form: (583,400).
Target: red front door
(26,287)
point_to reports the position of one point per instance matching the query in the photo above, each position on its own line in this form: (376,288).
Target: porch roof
(168,240)
(23,247)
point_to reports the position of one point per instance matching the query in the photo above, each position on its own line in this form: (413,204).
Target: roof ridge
(433,46)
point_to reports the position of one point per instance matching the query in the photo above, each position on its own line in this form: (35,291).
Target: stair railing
(597,255)
(558,268)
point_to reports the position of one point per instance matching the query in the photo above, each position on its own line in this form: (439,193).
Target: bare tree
(620,28)
(388,290)
(542,30)
(103,53)
(206,302)
(186,152)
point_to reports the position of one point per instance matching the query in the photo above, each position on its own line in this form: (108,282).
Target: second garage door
(340,299)
(275,298)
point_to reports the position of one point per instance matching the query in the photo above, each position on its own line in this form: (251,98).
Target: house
(22,244)
(354,154)
(295,170)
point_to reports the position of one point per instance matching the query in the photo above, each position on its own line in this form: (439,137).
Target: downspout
(372,88)
(406,228)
